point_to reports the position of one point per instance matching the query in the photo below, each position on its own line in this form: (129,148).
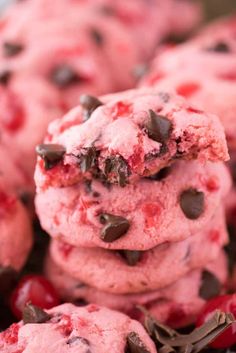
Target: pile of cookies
(50,54)
(130,188)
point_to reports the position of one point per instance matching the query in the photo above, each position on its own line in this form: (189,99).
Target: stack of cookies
(130,188)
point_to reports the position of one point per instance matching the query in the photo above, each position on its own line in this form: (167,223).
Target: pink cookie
(15,231)
(211,53)
(203,71)
(177,203)
(177,304)
(85,53)
(183,16)
(151,129)
(211,94)
(67,328)
(23,121)
(134,271)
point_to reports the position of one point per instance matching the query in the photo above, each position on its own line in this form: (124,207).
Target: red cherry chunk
(188,89)
(36,290)
(226,303)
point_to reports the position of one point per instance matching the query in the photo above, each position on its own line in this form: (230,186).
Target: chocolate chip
(132,257)
(34,315)
(162,174)
(77,340)
(5,77)
(115,227)
(140,71)
(88,186)
(25,198)
(220,47)
(97,37)
(158,127)
(117,168)
(210,286)
(135,344)
(96,194)
(51,154)
(107,10)
(64,76)
(165,97)
(8,278)
(12,49)
(88,159)
(80,302)
(89,104)
(192,203)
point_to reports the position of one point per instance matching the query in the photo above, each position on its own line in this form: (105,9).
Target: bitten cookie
(125,136)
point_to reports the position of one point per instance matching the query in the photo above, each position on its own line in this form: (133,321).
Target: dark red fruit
(35,290)
(226,303)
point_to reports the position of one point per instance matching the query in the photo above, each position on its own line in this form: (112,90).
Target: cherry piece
(35,290)
(187,89)
(226,303)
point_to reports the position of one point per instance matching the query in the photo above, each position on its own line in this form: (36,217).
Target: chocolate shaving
(115,227)
(97,37)
(12,49)
(5,77)
(192,203)
(210,286)
(64,76)
(158,127)
(88,159)
(117,168)
(51,154)
(89,104)
(220,47)
(34,315)
(135,344)
(132,257)
(168,340)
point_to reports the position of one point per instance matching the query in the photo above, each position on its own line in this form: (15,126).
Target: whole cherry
(226,303)
(33,289)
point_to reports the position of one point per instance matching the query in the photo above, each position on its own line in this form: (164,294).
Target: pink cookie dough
(178,204)
(127,136)
(110,271)
(203,70)
(67,328)
(15,230)
(177,305)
